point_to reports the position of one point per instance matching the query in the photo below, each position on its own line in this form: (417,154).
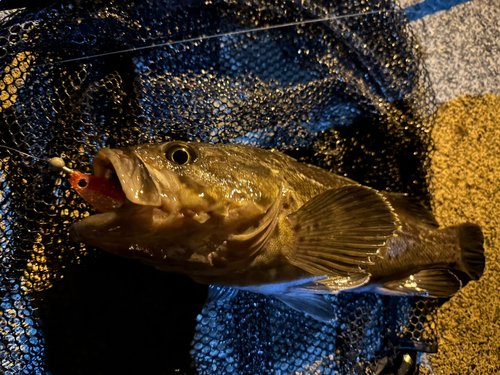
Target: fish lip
(130,172)
(98,230)
(75,234)
(117,234)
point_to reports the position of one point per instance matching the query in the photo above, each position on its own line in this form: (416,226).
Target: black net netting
(345,90)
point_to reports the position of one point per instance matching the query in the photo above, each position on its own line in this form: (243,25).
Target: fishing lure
(101,194)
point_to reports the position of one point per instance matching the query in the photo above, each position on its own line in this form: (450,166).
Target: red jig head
(96,191)
(100,193)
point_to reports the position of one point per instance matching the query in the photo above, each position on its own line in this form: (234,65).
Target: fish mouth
(136,179)
(133,220)
(104,168)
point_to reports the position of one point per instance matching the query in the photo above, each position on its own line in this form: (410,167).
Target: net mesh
(348,93)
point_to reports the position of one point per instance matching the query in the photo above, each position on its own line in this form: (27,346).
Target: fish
(237,217)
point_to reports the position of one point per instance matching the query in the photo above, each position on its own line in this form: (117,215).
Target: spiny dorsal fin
(339,230)
(403,204)
(437,283)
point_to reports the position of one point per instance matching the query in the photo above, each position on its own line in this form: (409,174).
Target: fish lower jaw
(129,224)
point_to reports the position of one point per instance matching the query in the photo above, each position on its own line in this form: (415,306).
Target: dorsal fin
(412,207)
(340,230)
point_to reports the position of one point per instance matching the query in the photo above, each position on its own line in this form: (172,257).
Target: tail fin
(471,244)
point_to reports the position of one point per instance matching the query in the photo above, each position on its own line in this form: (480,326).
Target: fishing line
(100,193)
(24,153)
(56,164)
(221,35)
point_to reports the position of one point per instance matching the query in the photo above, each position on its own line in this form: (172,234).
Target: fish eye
(180,154)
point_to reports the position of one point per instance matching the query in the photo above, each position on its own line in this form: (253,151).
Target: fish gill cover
(346,91)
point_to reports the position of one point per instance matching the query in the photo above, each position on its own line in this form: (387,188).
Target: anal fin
(437,283)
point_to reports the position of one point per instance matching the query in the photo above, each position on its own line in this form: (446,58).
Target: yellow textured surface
(465,185)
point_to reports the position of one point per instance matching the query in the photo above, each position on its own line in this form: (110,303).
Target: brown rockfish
(246,218)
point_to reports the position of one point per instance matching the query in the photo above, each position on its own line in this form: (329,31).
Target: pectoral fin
(437,283)
(338,231)
(245,246)
(313,304)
